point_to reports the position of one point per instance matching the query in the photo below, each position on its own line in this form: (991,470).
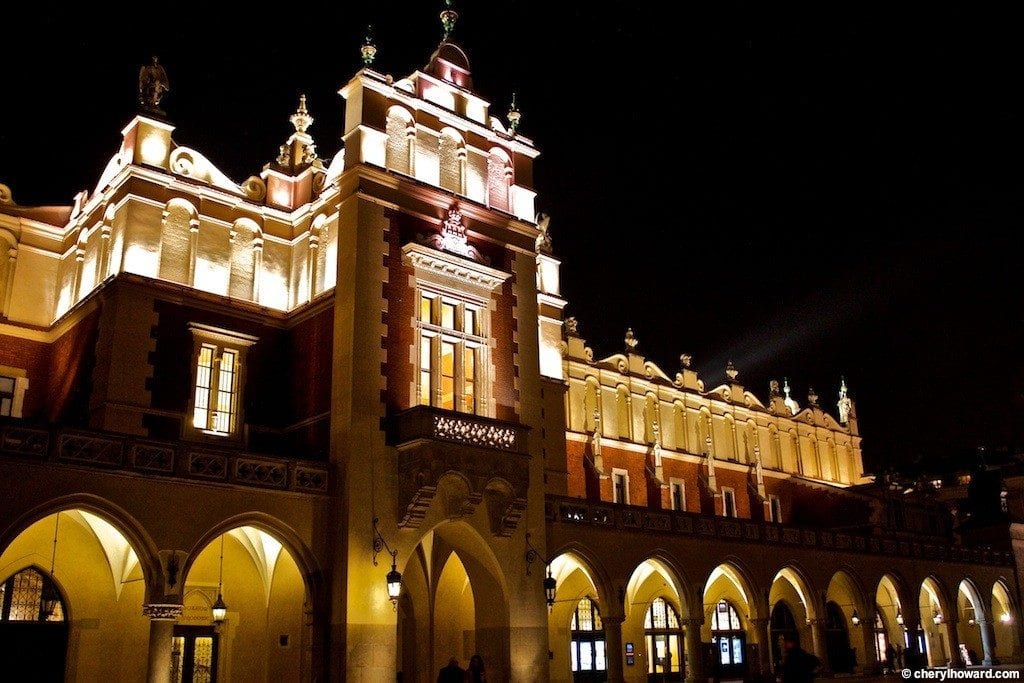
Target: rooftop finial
(812,396)
(301,118)
(842,388)
(153,84)
(448,17)
(368,50)
(686,360)
(793,406)
(513,116)
(631,341)
(773,387)
(731,372)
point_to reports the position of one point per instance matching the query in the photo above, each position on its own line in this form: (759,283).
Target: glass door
(194,655)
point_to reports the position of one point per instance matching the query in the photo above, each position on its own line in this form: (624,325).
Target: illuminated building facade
(229,410)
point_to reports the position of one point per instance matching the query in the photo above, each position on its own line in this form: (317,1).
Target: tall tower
(435,335)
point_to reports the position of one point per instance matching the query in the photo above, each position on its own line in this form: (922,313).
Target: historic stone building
(231,412)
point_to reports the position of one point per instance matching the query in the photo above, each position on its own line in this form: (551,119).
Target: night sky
(815,191)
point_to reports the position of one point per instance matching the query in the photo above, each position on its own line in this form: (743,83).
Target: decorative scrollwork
(162,612)
(254,188)
(182,162)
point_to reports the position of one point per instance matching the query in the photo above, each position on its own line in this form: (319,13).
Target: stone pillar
(161,633)
(761,627)
(913,658)
(694,649)
(988,642)
(819,642)
(953,644)
(613,647)
(867,662)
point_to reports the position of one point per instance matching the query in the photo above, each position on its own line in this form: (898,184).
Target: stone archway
(732,623)
(846,593)
(454,605)
(81,555)
(263,579)
(657,612)
(576,579)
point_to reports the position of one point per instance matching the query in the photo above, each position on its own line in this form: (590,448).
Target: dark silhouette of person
(890,657)
(899,657)
(798,665)
(475,671)
(453,673)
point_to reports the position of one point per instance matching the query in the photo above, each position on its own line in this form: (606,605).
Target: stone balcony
(482,459)
(180,459)
(576,511)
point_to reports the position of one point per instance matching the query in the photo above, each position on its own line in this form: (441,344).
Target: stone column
(953,644)
(988,641)
(613,647)
(761,627)
(819,642)
(868,660)
(161,634)
(694,649)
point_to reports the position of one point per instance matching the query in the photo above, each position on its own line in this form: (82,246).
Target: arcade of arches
(730,621)
(74,590)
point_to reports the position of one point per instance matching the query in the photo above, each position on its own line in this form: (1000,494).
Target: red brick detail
(398,369)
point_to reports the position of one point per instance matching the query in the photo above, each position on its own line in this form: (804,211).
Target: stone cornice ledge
(440,263)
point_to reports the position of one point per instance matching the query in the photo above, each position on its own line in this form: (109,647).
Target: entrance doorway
(33,629)
(194,655)
(729,641)
(841,657)
(661,628)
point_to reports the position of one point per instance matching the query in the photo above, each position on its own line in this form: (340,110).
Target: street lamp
(394,577)
(937,617)
(899,616)
(855,618)
(219,609)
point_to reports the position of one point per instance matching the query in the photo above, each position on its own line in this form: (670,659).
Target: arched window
(30,596)
(729,640)
(587,648)
(499,179)
(452,160)
(398,152)
(661,628)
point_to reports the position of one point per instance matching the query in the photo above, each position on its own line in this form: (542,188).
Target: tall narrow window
(664,651)
(728,502)
(620,487)
(678,495)
(216,399)
(776,509)
(6,396)
(451,348)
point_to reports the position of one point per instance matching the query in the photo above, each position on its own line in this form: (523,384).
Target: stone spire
(793,406)
(368,50)
(514,116)
(448,18)
(845,404)
(299,152)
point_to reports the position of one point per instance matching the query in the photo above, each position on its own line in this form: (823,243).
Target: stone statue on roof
(153,84)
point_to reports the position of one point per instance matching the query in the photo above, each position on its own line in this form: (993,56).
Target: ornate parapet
(482,459)
(625,518)
(107,451)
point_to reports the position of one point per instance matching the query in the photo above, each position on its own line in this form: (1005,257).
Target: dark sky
(810,191)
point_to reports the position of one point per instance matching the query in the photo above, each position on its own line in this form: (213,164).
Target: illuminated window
(728,502)
(217,393)
(452,344)
(587,649)
(30,596)
(678,490)
(728,637)
(661,628)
